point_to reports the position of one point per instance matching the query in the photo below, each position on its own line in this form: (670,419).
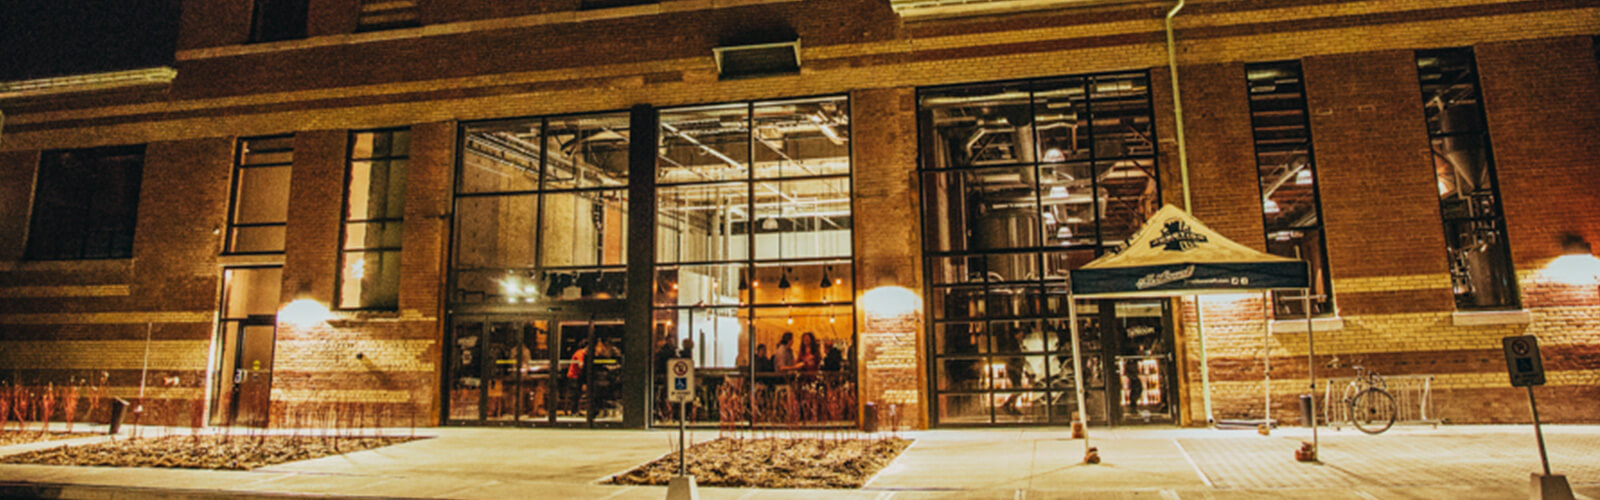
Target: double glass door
(1128,361)
(540,370)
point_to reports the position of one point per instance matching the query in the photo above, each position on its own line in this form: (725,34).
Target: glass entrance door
(535,370)
(1139,360)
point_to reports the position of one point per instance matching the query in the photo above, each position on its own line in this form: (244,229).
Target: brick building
(474,212)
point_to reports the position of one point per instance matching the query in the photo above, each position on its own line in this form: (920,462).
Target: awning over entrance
(1175,254)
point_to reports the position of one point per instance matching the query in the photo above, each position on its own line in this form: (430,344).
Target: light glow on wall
(305,313)
(1573,269)
(890,301)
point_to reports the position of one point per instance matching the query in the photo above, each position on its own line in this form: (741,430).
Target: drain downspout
(1183,169)
(1177,104)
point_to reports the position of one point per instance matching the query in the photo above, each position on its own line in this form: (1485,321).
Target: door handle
(238,376)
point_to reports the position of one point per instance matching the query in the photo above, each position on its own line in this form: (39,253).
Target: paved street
(1449,462)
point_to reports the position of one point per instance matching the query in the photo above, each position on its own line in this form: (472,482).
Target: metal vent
(766,59)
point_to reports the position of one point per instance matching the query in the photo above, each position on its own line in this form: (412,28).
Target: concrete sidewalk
(1449,462)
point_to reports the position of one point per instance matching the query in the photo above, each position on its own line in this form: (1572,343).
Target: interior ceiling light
(1303,178)
(1058,191)
(783,283)
(1054,155)
(1269,206)
(825,281)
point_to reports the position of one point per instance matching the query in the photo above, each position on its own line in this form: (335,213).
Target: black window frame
(1494,223)
(239,165)
(1285,306)
(1048,288)
(345,221)
(88,201)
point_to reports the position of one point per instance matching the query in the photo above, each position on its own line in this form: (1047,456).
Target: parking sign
(1522,360)
(680,380)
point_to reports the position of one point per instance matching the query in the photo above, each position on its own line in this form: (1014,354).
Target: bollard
(119,407)
(1305,410)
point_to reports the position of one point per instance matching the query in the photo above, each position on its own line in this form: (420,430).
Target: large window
(541,210)
(260,205)
(1291,211)
(1481,272)
(1023,182)
(541,231)
(86,204)
(754,263)
(374,208)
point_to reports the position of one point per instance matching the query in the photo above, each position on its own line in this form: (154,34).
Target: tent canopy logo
(1176,237)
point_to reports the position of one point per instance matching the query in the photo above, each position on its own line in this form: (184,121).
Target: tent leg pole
(1311,370)
(1205,367)
(1077,370)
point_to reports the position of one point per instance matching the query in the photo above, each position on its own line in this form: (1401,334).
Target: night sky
(42,38)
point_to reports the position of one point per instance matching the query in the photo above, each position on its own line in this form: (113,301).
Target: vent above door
(765,59)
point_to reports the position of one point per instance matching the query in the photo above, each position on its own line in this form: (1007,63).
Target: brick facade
(479,59)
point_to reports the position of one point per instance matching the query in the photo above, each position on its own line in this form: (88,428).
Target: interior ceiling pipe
(1177,105)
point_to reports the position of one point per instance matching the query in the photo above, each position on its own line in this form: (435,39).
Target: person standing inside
(784,358)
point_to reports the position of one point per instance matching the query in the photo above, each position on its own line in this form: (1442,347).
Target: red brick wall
(1543,135)
(1379,199)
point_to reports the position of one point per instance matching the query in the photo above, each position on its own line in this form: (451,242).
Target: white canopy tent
(1174,255)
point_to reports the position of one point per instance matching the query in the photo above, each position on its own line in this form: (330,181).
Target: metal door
(253,372)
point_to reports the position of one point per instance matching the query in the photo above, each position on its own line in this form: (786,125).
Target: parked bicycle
(1372,408)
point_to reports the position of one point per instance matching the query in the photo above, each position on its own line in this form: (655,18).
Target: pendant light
(783,284)
(826,283)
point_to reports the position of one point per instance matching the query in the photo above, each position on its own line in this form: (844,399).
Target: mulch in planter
(774,463)
(203,452)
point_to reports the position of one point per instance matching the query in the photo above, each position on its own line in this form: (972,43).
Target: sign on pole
(680,380)
(1523,363)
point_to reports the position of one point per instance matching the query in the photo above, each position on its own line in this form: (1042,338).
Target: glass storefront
(1021,183)
(754,265)
(538,271)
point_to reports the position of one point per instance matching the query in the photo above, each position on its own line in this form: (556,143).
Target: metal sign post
(1526,369)
(680,389)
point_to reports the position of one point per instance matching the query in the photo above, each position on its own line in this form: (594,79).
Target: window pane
(1060,108)
(584,229)
(365,235)
(803,282)
(495,232)
(1122,121)
(1481,270)
(1127,196)
(587,151)
(1069,212)
(705,144)
(381,144)
(706,285)
(369,280)
(256,239)
(702,223)
(500,157)
(1288,177)
(262,195)
(377,190)
(803,219)
(802,138)
(960,338)
(1466,178)
(987,209)
(977,125)
(251,291)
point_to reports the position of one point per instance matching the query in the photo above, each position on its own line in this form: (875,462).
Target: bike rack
(1413,397)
